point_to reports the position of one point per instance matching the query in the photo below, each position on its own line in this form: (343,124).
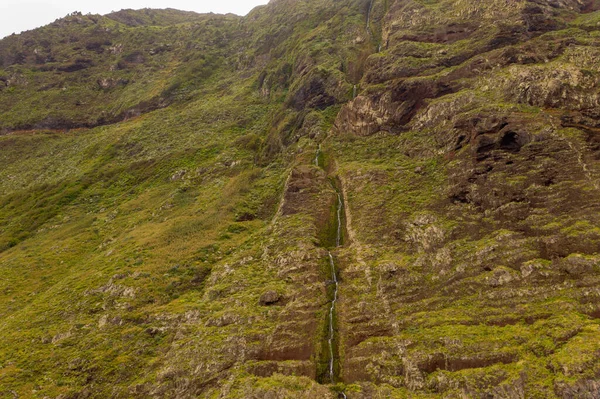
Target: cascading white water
(334,278)
(331,310)
(354,92)
(338,240)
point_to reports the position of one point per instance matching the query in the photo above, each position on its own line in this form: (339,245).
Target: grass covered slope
(163,222)
(470,165)
(156,256)
(88,70)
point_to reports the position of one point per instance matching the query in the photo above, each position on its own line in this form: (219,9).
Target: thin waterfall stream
(330,339)
(368,27)
(334,278)
(333,356)
(331,310)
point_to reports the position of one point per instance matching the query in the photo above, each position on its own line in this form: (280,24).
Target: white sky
(20,15)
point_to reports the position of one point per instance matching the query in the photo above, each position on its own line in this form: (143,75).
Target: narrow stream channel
(331,339)
(331,311)
(369,17)
(331,336)
(334,278)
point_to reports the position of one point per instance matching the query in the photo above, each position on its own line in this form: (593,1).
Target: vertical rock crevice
(332,237)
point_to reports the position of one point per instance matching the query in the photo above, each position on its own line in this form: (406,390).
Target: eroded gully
(331,319)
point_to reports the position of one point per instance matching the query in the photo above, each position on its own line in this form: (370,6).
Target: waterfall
(331,310)
(331,336)
(354,92)
(369,17)
(338,241)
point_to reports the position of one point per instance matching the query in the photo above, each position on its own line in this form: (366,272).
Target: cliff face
(168,202)
(470,181)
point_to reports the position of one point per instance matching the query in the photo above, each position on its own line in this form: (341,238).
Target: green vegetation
(164,228)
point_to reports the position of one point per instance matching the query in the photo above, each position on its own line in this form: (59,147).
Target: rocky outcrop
(507,103)
(269,298)
(584,389)
(392,110)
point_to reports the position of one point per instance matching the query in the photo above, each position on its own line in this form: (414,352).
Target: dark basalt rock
(269,298)
(313,94)
(78,65)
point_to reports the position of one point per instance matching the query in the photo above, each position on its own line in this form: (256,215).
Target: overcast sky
(19,15)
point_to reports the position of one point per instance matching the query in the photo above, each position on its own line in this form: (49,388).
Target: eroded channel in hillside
(332,237)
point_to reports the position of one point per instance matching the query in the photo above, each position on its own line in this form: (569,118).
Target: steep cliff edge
(164,227)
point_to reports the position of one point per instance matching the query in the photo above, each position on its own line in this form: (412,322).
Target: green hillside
(169,202)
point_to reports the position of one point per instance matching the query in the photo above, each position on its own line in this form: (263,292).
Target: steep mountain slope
(169,202)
